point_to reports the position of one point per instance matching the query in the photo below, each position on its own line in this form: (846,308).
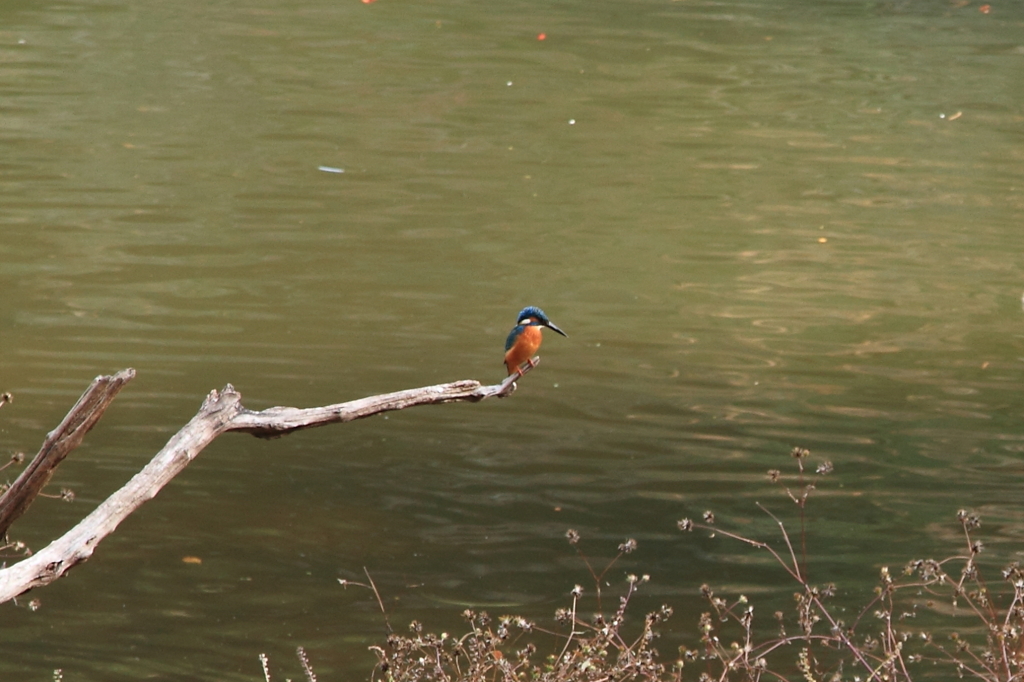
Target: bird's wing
(512,336)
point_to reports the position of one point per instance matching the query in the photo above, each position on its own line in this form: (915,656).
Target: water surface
(763,225)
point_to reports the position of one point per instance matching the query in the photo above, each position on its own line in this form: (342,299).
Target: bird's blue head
(534,316)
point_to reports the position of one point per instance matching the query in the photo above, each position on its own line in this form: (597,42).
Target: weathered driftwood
(66,437)
(222,411)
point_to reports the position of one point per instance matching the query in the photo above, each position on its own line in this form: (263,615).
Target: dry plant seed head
(265,662)
(628,546)
(709,518)
(884,576)
(563,616)
(304,661)
(67,494)
(573,536)
(577,591)
(800,453)
(706,591)
(18,457)
(803,663)
(825,468)
(970,520)
(774,475)
(685,525)
(977,547)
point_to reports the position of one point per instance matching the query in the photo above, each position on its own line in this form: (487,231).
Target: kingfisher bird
(524,339)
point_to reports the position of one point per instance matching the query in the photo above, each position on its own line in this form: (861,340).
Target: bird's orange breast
(526,344)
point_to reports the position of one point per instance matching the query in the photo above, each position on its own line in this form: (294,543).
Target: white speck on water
(329,169)
(572,121)
(509,84)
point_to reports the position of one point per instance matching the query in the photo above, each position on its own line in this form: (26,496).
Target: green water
(762,224)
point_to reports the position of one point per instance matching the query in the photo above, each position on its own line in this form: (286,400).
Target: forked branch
(222,411)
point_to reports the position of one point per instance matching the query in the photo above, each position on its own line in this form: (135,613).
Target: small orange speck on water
(984,365)
(985,9)
(191,560)
(558,509)
(367,2)
(542,36)
(822,240)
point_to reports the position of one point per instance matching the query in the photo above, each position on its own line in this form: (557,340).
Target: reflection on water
(765,227)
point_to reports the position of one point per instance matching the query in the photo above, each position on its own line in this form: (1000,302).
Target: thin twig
(380,602)
(572,627)
(796,565)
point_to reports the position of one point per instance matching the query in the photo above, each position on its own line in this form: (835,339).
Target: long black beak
(552,327)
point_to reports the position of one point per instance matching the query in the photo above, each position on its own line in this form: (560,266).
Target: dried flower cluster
(810,643)
(506,649)
(877,643)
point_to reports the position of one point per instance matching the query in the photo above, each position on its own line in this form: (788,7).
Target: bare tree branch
(66,437)
(222,411)
(280,421)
